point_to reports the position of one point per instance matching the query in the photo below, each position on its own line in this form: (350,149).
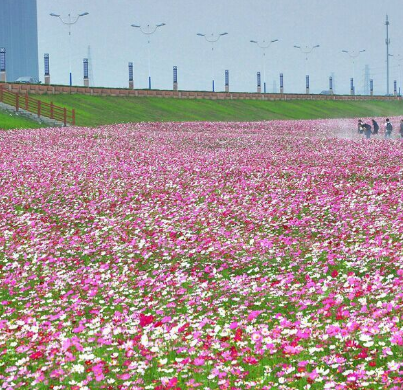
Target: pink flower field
(201,256)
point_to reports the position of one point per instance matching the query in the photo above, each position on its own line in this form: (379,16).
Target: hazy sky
(335,25)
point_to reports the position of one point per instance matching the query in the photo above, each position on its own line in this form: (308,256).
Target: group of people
(368,130)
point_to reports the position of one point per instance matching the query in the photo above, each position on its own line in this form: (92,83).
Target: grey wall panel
(19,35)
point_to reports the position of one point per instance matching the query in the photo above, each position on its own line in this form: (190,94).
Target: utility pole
(90,71)
(264,45)
(334,81)
(69,21)
(306,50)
(366,80)
(399,59)
(212,39)
(387,54)
(148,31)
(354,54)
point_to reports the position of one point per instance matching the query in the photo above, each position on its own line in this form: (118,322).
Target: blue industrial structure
(175,74)
(19,36)
(130,71)
(2,59)
(85,64)
(46,64)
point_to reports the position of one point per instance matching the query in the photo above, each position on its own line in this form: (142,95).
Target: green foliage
(12,121)
(96,110)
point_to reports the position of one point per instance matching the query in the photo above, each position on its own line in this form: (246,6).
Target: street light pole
(69,21)
(148,31)
(306,50)
(353,54)
(264,45)
(399,59)
(212,39)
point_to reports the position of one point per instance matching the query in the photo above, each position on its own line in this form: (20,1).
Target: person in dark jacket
(375,127)
(367,130)
(388,129)
(401,129)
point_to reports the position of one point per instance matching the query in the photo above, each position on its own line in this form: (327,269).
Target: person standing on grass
(401,129)
(388,129)
(375,127)
(367,130)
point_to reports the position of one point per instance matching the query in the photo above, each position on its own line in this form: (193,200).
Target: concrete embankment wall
(39,89)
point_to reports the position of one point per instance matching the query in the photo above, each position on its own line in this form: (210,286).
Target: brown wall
(39,89)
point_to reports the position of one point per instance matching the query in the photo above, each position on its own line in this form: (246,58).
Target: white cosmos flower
(144,340)
(265,332)
(77,368)
(194,342)
(365,337)
(21,362)
(393,366)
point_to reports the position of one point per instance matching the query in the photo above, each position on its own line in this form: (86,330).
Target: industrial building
(19,37)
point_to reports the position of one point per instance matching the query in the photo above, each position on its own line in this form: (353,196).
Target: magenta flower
(198,362)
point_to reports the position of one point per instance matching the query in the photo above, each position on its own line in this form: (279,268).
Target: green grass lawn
(95,110)
(12,121)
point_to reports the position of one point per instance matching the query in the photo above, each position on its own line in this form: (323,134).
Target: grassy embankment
(12,121)
(95,111)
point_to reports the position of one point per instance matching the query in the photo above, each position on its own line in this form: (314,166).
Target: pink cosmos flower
(397,338)
(198,362)
(256,337)
(146,320)
(97,370)
(250,360)
(254,314)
